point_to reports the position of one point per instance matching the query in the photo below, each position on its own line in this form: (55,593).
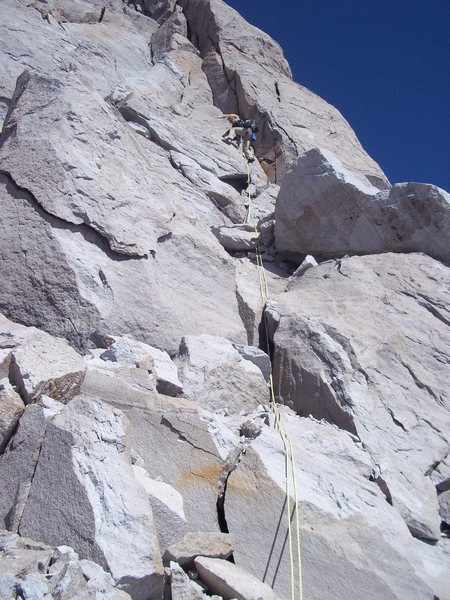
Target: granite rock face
(248,74)
(154,286)
(62,478)
(387,385)
(340,507)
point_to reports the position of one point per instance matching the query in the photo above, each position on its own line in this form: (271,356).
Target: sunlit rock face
(139,331)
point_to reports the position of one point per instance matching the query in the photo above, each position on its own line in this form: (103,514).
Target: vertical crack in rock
(16,380)
(266,343)
(277,91)
(14,518)
(290,138)
(152,54)
(25,487)
(228,467)
(268,146)
(381,483)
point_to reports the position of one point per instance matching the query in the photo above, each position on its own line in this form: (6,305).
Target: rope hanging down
(290,470)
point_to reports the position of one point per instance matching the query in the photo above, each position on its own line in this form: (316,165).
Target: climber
(246,130)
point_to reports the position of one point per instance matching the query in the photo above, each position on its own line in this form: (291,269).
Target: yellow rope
(290,465)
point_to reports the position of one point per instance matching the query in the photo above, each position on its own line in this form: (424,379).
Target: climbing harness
(290,470)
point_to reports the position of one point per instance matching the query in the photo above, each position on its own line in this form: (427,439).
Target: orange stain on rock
(206,475)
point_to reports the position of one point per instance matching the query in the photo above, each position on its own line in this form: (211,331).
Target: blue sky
(383,63)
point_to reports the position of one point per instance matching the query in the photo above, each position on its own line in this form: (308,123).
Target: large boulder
(361,343)
(327,210)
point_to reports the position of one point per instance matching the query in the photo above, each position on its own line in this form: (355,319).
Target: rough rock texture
(126,350)
(230,581)
(39,364)
(167,507)
(46,365)
(216,375)
(174,445)
(127,225)
(30,569)
(181,587)
(257,357)
(380,377)
(324,209)
(82,114)
(237,238)
(120,241)
(340,509)
(441,475)
(18,463)
(81,454)
(249,297)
